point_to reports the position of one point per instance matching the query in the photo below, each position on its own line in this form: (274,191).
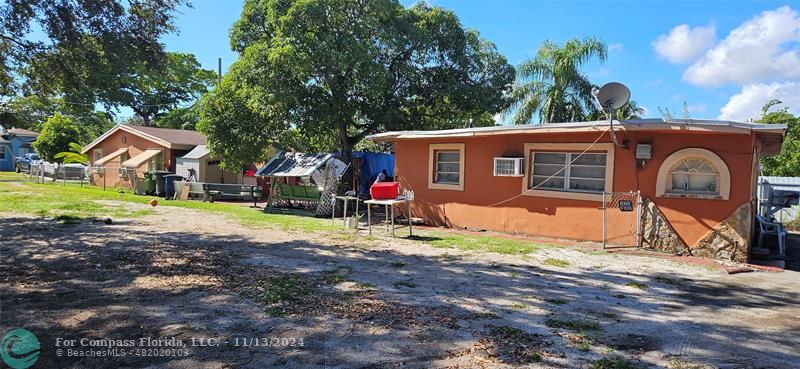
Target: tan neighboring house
(121,156)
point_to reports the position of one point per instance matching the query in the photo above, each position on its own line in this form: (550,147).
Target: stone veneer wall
(657,233)
(729,240)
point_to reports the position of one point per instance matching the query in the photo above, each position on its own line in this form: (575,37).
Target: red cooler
(384,190)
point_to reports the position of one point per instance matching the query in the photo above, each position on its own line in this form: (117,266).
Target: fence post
(103,173)
(638,219)
(603,207)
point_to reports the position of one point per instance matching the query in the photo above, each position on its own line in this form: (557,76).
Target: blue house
(14,142)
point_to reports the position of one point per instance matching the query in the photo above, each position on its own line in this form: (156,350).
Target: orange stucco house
(696,180)
(121,156)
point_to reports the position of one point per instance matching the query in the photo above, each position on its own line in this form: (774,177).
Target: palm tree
(631,110)
(552,84)
(74,155)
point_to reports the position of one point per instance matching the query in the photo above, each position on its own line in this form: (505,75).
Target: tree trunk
(346,143)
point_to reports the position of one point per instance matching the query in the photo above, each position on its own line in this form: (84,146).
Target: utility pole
(219,81)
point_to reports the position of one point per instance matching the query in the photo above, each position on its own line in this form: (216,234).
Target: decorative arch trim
(724,185)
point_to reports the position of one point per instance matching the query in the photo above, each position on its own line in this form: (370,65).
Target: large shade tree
(151,93)
(339,70)
(78,49)
(552,86)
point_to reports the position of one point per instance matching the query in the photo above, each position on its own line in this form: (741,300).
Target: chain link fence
(101,177)
(622,219)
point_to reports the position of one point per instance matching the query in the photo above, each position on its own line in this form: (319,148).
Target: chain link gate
(622,219)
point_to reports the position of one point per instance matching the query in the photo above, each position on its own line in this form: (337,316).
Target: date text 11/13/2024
(250,342)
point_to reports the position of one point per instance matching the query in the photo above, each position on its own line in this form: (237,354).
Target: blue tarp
(372,164)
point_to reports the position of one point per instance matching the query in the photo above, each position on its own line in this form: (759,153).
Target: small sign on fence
(625,205)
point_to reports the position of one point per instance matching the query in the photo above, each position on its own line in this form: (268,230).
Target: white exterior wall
(182,167)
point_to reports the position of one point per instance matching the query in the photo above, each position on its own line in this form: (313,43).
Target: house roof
(102,161)
(21,132)
(293,164)
(198,152)
(141,158)
(626,125)
(169,138)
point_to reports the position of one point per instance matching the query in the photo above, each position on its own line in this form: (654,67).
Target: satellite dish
(613,95)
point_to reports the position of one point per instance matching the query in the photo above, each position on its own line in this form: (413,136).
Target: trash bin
(158,177)
(149,183)
(169,184)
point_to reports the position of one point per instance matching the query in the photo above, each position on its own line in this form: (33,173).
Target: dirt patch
(365,302)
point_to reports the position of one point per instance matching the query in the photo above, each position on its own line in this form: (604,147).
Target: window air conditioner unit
(123,172)
(97,170)
(508,167)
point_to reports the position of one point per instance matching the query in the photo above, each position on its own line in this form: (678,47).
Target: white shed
(206,168)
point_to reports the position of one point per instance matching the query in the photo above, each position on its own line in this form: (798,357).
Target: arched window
(695,173)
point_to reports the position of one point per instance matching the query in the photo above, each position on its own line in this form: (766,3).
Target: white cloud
(748,102)
(758,50)
(616,48)
(683,43)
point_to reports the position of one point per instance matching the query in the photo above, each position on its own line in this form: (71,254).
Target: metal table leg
(410,230)
(369,220)
(358,216)
(392,207)
(344,213)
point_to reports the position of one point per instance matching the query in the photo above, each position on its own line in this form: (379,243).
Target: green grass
(557,262)
(519,306)
(615,362)
(670,281)
(638,285)
(575,325)
(481,243)
(487,315)
(281,289)
(53,199)
(555,301)
(338,274)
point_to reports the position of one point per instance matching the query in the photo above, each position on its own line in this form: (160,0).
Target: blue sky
(725,59)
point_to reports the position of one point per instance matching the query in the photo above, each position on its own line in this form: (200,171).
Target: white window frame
(432,150)
(664,178)
(599,148)
(4,152)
